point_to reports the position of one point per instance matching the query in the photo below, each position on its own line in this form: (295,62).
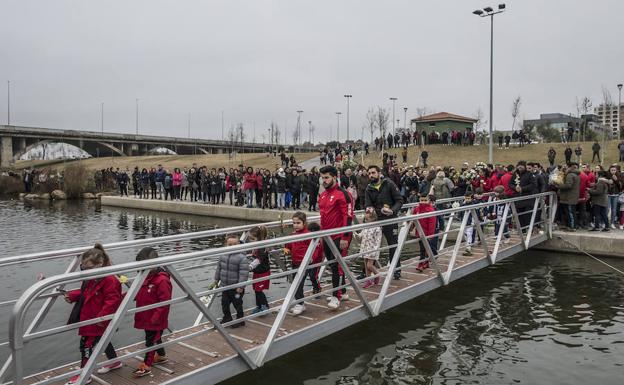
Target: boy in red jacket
(156,288)
(95,298)
(429,228)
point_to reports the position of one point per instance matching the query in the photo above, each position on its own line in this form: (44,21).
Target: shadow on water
(532,319)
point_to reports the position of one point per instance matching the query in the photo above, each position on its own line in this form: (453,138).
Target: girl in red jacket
(95,298)
(260,267)
(297,251)
(429,228)
(156,288)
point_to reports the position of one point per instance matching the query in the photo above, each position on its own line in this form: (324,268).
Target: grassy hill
(255,160)
(440,155)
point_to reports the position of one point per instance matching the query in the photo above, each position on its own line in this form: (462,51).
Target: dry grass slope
(456,155)
(168,161)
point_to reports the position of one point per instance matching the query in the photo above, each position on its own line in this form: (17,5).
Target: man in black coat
(523,183)
(383,196)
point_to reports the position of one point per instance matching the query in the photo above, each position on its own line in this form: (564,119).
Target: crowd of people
(591,198)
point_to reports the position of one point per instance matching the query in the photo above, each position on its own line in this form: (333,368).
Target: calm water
(536,318)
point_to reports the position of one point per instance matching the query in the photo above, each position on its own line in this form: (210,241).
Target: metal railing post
(425,243)
(41,314)
(292,290)
(516,220)
(460,235)
(393,263)
(477,224)
(501,231)
(200,305)
(527,239)
(350,277)
(554,203)
(112,326)
(446,230)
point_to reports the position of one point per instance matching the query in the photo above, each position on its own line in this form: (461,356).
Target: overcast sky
(261,61)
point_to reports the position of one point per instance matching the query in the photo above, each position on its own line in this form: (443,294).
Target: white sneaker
(621,227)
(298,309)
(612,226)
(333,303)
(344,297)
(107,368)
(506,240)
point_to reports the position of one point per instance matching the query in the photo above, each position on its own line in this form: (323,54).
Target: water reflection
(534,319)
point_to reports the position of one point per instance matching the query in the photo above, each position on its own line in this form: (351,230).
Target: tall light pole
(338,126)
(489,11)
(8,102)
(393,105)
(137,116)
(298,141)
(405,118)
(189,125)
(310,131)
(348,96)
(102,117)
(222,134)
(620,129)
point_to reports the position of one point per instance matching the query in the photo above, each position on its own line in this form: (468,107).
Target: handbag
(621,198)
(74,316)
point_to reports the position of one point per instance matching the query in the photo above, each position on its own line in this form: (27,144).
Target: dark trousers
(87,343)
(334,266)
(299,292)
(261,299)
(313,196)
(582,214)
(595,155)
(153,337)
(391,235)
(229,297)
(600,214)
(524,213)
(296,199)
(569,215)
(123,189)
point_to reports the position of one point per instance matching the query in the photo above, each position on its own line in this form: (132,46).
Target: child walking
(370,240)
(496,214)
(316,258)
(429,229)
(297,251)
(232,269)
(95,298)
(156,288)
(260,267)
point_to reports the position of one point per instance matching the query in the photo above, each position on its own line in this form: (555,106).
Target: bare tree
(275,133)
(582,109)
(481,121)
(370,123)
(382,117)
(515,111)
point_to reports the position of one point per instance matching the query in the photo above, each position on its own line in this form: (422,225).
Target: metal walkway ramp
(209,352)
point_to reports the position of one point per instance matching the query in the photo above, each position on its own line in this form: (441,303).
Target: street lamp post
(298,141)
(338,126)
(8,102)
(348,96)
(405,118)
(102,117)
(310,132)
(620,129)
(393,104)
(137,116)
(489,11)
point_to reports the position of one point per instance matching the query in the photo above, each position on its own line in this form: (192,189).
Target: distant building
(443,122)
(611,116)
(565,122)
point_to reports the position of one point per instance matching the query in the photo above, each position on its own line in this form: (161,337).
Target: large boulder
(99,195)
(45,197)
(22,195)
(88,195)
(31,197)
(58,195)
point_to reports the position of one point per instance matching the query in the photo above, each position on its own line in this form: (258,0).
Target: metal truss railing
(540,207)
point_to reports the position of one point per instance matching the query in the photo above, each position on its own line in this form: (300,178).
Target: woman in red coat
(95,298)
(249,185)
(156,288)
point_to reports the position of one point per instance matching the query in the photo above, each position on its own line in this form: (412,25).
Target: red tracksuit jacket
(156,288)
(101,297)
(428,224)
(334,210)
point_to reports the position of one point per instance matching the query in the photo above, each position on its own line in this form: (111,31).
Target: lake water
(535,318)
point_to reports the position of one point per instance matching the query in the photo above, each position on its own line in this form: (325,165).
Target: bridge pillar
(22,144)
(131,148)
(6,151)
(220,150)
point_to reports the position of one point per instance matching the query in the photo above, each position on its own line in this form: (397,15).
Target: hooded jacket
(101,297)
(156,288)
(570,189)
(387,194)
(232,268)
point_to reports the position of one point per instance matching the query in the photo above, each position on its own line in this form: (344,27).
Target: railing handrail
(17,335)
(64,253)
